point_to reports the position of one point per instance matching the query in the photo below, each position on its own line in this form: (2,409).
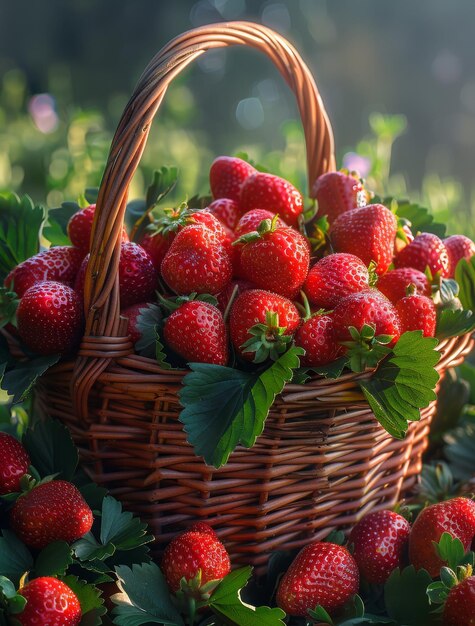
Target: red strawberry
(322,573)
(417,312)
(394,283)
(60,264)
(195,552)
(14,465)
(338,192)
(226,176)
(251,309)
(251,220)
(379,541)
(202,527)
(275,258)
(196,331)
(456,516)
(458,247)
(133,313)
(459,609)
(197,261)
(366,307)
(334,277)
(368,233)
(50,318)
(226,211)
(317,337)
(52,511)
(427,250)
(266,191)
(224,296)
(80,227)
(50,603)
(156,245)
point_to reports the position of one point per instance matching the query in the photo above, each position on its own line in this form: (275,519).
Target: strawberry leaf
(403,383)
(20,377)
(149,322)
(224,406)
(55,229)
(420,218)
(53,560)
(454,323)
(450,550)
(89,596)
(9,596)
(460,451)
(15,558)
(465,277)
(319,614)
(226,603)
(405,584)
(145,598)
(51,449)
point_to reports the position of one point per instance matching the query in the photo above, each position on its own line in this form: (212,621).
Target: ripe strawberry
(196,331)
(458,247)
(456,516)
(156,244)
(417,312)
(459,609)
(52,511)
(226,211)
(196,261)
(379,541)
(251,220)
(427,250)
(224,296)
(275,258)
(366,307)
(368,233)
(60,264)
(322,573)
(194,552)
(394,283)
(266,191)
(334,277)
(317,337)
(50,318)
(50,602)
(252,309)
(226,176)
(338,192)
(14,465)
(80,227)
(132,313)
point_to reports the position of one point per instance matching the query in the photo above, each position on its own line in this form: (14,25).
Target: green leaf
(149,319)
(403,383)
(51,449)
(20,226)
(450,550)
(92,604)
(121,528)
(332,370)
(405,584)
(55,229)
(319,614)
(224,407)
(420,217)
(53,560)
(145,599)
(91,194)
(19,380)
(465,277)
(89,549)
(437,592)
(460,451)
(452,323)
(226,602)
(15,558)
(163,182)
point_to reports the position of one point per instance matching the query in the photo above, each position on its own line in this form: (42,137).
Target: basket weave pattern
(323,460)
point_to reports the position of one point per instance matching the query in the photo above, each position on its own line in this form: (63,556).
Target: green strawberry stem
(266,226)
(230,303)
(267,340)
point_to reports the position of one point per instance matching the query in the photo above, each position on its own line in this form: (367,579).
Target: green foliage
(450,550)
(15,558)
(9,597)
(465,277)
(20,376)
(421,218)
(460,450)
(405,584)
(92,605)
(454,323)
(53,560)
(51,449)
(55,229)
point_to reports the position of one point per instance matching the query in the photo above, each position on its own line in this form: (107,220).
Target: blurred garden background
(398,80)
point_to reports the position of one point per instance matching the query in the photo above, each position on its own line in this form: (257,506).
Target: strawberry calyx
(170,220)
(305,309)
(193,596)
(268,340)
(365,350)
(318,233)
(172,304)
(372,274)
(265,227)
(438,591)
(9,302)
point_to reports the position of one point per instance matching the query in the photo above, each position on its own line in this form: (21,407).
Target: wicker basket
(323,460)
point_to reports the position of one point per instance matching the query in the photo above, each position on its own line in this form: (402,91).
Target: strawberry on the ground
(459,609)
(14,463)
(366,307)
(322,574)
(417,312)
(458,247)
(317,337)
(51,511)
(338,192)
(224,296)
(226,176)
(80,227)
(197,332)
(456,516)
(60,264)
(50,318)
(275,259)
(379,541)
(368,233)
(426,251)
(266,191)
(50,602)
(196,261)
(394,283)
(132,313)
(195,552)
(226,211)
(334,277)
(270,333)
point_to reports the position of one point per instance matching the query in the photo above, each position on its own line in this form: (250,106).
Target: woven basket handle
(101,294)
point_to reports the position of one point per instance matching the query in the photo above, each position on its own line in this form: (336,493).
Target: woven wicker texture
(323,460)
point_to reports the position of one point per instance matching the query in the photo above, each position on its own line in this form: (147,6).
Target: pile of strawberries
(273,282)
